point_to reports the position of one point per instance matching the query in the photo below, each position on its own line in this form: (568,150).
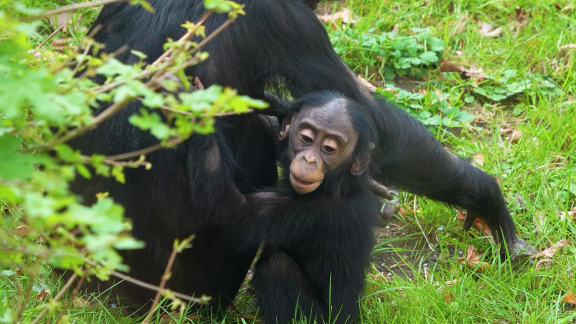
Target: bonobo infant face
(320,139)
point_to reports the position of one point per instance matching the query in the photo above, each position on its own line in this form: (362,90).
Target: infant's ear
(359,166)
(362,162)
(285,127)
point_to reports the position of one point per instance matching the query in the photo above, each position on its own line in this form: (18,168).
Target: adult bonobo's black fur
(184,192)
(318,223)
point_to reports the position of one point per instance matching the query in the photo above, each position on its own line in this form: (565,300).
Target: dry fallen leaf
(173,316)
(549,252)
(569,216)
(81,303)
(61,44)
(23,230)
(446,66)
(570,298)
(488,30)
(473,260)
(42,295)
(565,49)
(478,224)
(478,159)
(513,135)
(473,73)
(568,7)
(541,263)
(448,298)
(345,15)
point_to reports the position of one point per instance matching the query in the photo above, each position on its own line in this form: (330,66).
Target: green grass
(537,173)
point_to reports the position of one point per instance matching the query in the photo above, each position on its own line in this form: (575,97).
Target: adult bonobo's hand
(389,207)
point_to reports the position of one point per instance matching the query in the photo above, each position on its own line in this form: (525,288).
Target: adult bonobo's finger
(468,221)
(380,190)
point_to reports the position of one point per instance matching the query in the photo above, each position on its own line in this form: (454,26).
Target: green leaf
(83,171)
(67,154)
(9,194)
(480,91)
(428,57)
(129,243)
(510,73)
(15,165)
(118,173)
(519,109)
(219,6)
(437,45)
(151,122)
(465,117)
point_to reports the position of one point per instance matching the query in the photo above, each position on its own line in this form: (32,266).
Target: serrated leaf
(67,154)
(151,122)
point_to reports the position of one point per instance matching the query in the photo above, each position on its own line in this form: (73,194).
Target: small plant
(388,53)
(510,86)
(433,108)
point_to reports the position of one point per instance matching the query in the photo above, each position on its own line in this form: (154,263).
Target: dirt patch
(402,251)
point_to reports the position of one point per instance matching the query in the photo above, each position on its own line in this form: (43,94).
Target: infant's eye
(307,139)
(328,149)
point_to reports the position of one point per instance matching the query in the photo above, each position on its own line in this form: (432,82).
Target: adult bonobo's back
(276,40)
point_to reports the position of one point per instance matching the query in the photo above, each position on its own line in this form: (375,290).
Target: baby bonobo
(317,225)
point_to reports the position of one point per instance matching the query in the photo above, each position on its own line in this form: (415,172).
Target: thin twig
(82,59)
(47,39)
(148,150)
(71,299)
(95,122)
(186,37)
(160,74)
(24,302)
(156,288)
(224,114)
(420,226)
(111,162)
(20,293)
(165,278)
(107,87)
(73,7)
(58,296)
(113,109)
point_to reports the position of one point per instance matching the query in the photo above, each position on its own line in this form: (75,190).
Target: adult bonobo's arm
(407,156)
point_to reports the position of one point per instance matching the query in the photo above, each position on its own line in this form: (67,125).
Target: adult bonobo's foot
(516,247)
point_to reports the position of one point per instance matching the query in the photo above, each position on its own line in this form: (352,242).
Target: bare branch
(148,150)
(165,278)
(186,37)
(156,288)
(74,7)
(58,296)
(47,39)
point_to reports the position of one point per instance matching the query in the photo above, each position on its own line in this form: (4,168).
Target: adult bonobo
(184,193)
(317,225)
